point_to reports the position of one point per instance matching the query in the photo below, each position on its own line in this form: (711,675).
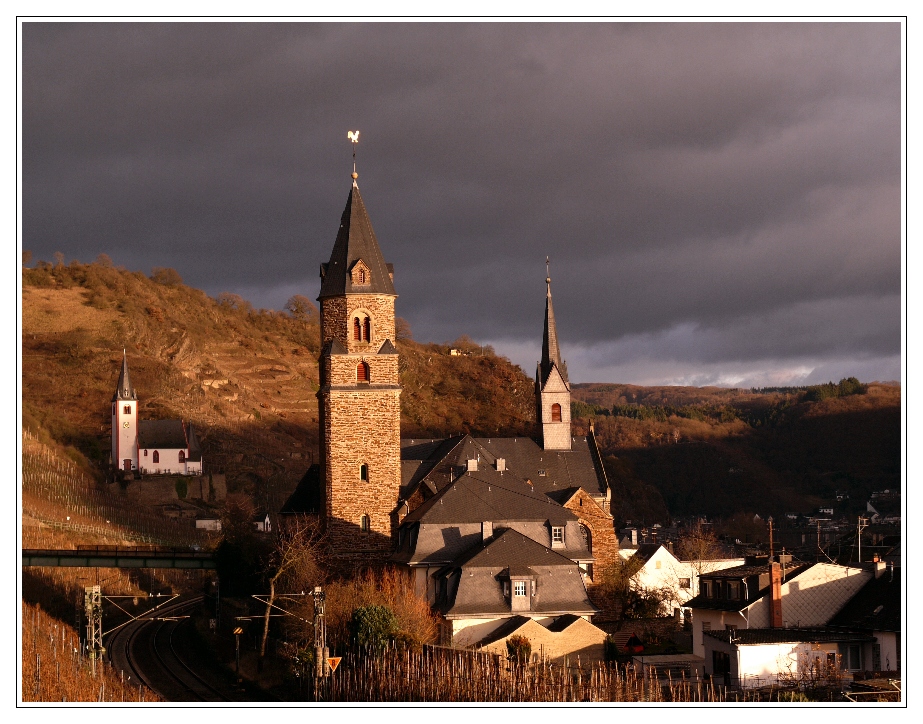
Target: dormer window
(707,589)
(557,536)
(733,590)
(360,275)
(519,589)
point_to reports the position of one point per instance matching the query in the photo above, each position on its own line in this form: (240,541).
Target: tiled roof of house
(475,580)
(876,607)
(489,495)
(756,636)
(355,240)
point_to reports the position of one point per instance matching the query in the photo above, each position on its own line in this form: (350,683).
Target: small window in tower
(156,456)
(362,276)
(362,372)
(145,453)
(367,329)
(364,523)
(127,409)
(364,473)
(357,330)
(556,412)
(182,456)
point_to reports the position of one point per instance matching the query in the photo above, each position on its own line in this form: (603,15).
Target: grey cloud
(677,173)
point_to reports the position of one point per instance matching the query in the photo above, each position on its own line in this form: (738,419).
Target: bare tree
(293,562)
(58,259)
(104,260)
(302,308)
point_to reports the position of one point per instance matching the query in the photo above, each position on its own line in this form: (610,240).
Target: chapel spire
(124,390)
(552,390)
(551,352)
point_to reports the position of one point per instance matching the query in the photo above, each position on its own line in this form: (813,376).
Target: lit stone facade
(359,395)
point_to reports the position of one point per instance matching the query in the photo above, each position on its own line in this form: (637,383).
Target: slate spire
(124,390)
(355,241)
(551,353)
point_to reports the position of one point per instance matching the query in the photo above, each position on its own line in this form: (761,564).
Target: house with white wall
(662,570)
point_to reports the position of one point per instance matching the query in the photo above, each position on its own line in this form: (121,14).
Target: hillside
(723,451)
(246,378)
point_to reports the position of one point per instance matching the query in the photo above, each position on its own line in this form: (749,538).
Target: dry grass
(61,310)
(54,669)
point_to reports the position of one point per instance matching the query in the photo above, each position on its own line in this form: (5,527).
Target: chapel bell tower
(552,389)
(125,422)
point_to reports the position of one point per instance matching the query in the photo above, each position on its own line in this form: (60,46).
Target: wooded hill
(247,379)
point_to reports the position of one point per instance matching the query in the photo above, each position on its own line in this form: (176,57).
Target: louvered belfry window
(556,412)
(357,329)
(362,372)
(367,329)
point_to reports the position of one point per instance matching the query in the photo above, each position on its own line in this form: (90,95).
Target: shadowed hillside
(722,451)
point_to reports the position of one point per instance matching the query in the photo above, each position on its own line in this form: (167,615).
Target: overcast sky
(720,202)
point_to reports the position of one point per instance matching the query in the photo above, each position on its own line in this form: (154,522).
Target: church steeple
(359,395)
(124,390)
(552,388)
(551,353)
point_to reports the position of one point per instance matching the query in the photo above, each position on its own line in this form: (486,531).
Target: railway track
(146,651)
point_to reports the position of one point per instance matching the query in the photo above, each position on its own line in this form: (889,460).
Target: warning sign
(238,631)
(334,661)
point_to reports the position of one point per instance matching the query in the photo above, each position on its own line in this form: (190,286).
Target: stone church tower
(552,389)
(125,422)
(359,395)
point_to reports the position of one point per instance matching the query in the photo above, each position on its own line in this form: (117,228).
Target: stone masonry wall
(361,427)
(605,549)
(337,315)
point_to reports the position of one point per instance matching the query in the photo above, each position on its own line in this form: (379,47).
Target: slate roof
(741,572)
(355,240)
(563,470)
(756,636)
(169,435)
(876,607)
(489,495)
(475,587)
(306,498)
(123,388)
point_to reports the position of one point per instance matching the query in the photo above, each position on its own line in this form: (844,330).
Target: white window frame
(519,589)
(557,535)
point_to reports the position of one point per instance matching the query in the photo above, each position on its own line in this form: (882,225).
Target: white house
(662,570)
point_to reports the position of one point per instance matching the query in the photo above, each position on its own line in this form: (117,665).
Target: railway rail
(145,649)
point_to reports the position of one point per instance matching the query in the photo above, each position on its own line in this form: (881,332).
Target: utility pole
(320,634)
(93,606)
(863,524)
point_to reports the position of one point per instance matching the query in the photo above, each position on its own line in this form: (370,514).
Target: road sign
(334,661)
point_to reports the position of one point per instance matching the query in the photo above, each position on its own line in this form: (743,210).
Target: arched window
(556,412)
(364,523)
(364,473)
(357,329)
(145,453)
(367,329)
(156,457)
(182,456)
(587,537)
(362,372)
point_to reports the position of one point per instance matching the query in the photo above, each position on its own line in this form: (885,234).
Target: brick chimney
(775,595)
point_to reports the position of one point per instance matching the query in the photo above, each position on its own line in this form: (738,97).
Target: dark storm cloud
(729,193)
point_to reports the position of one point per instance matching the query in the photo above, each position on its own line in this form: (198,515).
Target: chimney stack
(487,530)
(775,596)
(472,465)
(501,464)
